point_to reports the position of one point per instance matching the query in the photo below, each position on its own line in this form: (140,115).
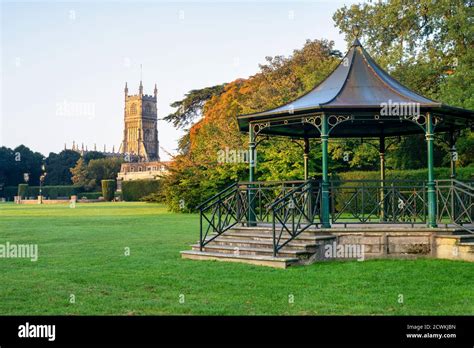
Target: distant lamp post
(42,177)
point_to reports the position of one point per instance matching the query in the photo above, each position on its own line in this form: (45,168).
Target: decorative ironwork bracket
(258,127)
(333,121)
(420,120)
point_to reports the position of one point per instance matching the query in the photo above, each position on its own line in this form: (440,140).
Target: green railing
(455,203)
(294,213)
(242,202)
(291,207)
(376,201)
(219,213)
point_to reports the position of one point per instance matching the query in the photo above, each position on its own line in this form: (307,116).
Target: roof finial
(356,33)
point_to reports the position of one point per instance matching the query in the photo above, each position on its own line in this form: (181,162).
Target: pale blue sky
(64,65)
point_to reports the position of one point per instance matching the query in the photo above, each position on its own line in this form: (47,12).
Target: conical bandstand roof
(358,90)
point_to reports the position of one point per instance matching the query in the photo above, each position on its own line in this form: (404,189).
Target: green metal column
(431,183)
(252,162)
(305,158)
(325,184)
(382,177)
(452,151)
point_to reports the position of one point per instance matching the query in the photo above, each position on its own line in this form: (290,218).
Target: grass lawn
(81,252)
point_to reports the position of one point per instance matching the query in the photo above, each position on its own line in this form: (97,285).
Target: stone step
(301,238)
(467,245)
(270,261)
(466,239)
(252,251)
(269,230)
(293,245)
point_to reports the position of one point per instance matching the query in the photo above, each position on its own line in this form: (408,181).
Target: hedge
(108,189)
(23,190)
(90,195)
(465,173)
(51,192)
(134,190)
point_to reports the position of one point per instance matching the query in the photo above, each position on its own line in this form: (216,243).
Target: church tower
(140,136)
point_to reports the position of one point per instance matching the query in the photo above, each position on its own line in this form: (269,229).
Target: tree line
(67,167)
(428,48)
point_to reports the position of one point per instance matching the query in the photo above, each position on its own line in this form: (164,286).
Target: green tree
(58,167)
(190,108)
(80,176)
(197,173)
(426,46)
(21,160)
(92,155)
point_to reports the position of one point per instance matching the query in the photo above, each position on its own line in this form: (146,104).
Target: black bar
(260,330)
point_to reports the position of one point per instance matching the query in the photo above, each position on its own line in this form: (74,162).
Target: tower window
(148,108)
(133,109)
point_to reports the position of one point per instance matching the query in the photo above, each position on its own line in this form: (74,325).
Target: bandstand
(284,223)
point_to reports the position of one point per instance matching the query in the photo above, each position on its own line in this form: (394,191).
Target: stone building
(140,146)
(142,171)
(140,135)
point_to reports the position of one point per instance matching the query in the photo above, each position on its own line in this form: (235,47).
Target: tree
(17,162)
(426,46)
(90,175)
(80,176)
(92,155)
(197,173)
(7,166)
(189,108)
(58,167)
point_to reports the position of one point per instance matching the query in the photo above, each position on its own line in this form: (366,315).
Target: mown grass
(82,252)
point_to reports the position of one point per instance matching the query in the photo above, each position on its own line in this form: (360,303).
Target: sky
(64,64)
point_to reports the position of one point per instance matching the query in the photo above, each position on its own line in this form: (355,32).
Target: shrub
(22,190)
(155,197)
(54,192)
(9,192)
(108,189)
(90,195)
(134,190)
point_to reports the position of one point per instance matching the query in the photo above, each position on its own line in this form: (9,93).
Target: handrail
(297,224)
(273,182)
(287,195)
(216,195)
(455,202)
(457,182)
(222,214)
